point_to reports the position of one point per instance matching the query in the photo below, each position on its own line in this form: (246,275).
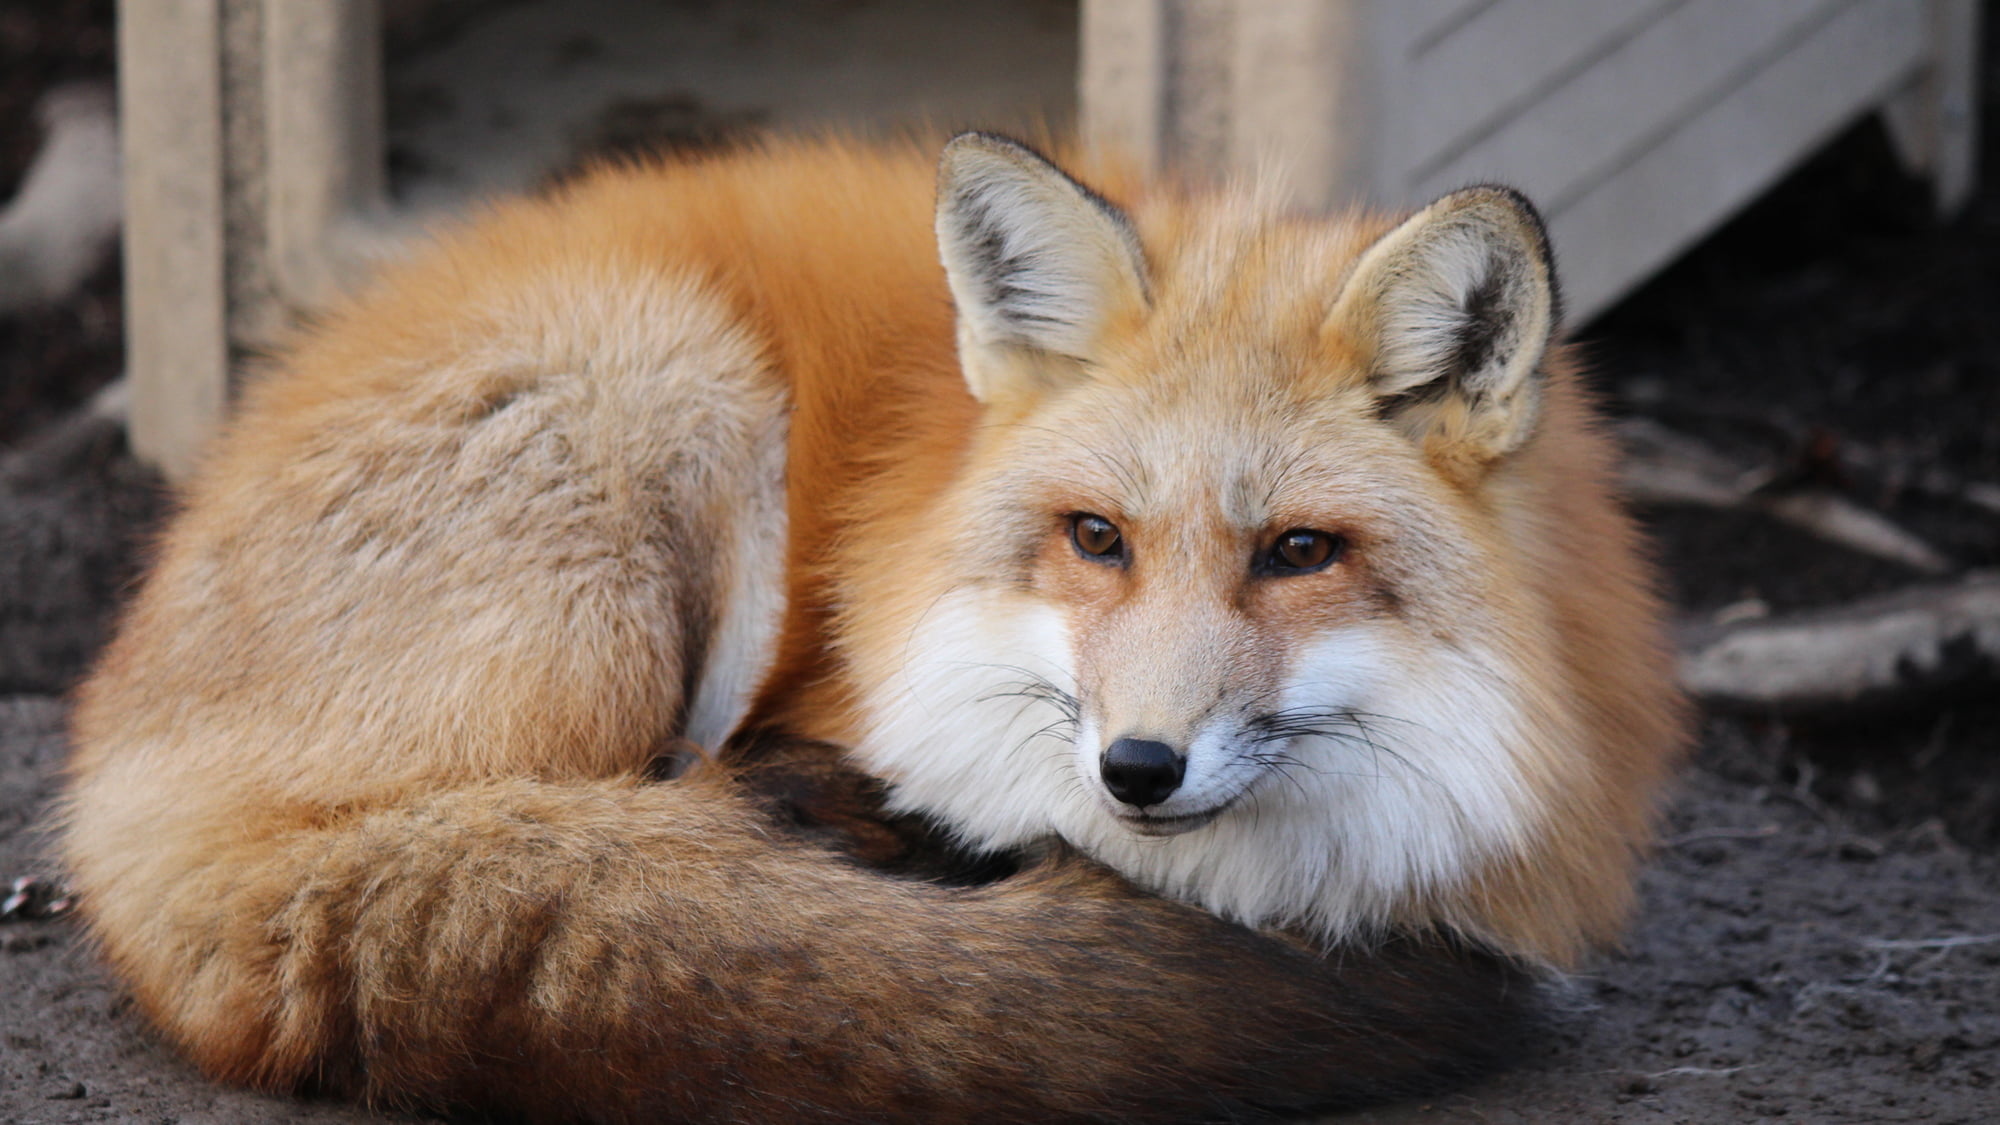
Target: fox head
(1228,589)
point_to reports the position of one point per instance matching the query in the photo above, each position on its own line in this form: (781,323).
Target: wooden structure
(253,163)
(254,155)
(1636,125)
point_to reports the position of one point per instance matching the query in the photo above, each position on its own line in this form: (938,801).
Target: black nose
(1141,772)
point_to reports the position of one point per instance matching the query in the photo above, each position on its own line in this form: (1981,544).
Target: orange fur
(370,737)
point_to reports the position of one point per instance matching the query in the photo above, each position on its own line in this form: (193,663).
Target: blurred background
(1777,223)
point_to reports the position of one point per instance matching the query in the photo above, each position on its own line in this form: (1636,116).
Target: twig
(1986,496)
(1802,788)
(1879,469)
(1878,650)
(1701,1071)
(1931,943)
(1888,476)
(1665,467)
(62,222)
(1762,832)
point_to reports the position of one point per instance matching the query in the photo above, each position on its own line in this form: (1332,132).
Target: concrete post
(1289,90)
(252,131)
(176,304)
(1935,121)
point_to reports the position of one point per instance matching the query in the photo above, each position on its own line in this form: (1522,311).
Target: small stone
(1859,849)
(1708,855)
(71,1092)
(1746,935)
(1864,788)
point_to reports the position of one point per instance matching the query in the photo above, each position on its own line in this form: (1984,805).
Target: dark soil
(1820,937)
(56,357)
(1837,330)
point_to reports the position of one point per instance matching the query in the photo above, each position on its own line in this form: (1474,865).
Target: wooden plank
(1955,76)
(1122,77)
(324,158)
(1430,22)
(1935,120)
(1201,54)
(170,110)
(1501,63)
(1307,98)
(1635,95)
(1634,220)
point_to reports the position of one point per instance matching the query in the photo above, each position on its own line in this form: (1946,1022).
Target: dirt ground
(1820,934)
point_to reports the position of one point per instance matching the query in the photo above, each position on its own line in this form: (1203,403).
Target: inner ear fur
(1453,312)
(1038,265)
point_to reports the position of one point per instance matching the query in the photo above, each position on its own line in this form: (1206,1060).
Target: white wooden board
(1635,220)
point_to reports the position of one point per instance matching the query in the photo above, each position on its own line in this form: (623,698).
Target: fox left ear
(1038,266)
(1453,312)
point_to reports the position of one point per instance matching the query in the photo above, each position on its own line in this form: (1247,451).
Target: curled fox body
(1266,560)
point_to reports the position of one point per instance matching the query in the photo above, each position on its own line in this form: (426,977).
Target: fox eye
(1300,551)
(1096,538)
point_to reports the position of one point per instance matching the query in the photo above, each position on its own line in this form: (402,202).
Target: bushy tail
(626,950)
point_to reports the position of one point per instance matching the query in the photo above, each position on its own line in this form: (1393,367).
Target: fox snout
(1141,772)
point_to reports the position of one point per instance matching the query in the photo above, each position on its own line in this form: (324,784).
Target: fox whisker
(1342,725)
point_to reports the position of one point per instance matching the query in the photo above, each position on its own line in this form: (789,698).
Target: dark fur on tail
(826,990)
(754,944)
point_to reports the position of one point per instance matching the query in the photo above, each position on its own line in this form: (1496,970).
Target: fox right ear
(1038,264)
(1453,312)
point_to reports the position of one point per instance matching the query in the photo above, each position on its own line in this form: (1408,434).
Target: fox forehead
(1238,290)
(1230,391)
(1229,441)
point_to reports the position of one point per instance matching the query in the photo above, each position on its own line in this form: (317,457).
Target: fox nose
(1141,772)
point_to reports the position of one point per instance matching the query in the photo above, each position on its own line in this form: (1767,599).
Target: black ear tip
(1537,228)
(1523,208)
(980,140)
(1024,159)
(984,136)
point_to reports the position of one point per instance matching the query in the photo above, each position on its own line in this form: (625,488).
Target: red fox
(1267,559)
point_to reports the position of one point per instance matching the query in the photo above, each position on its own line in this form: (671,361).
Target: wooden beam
(323,125)
(1122,75)
(1896,648)
(176,304)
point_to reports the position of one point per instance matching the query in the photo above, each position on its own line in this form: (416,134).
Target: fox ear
(1453,312)
(1038,266)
